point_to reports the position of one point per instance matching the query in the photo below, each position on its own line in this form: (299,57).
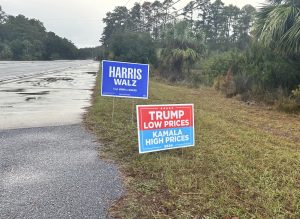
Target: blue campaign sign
(123,79)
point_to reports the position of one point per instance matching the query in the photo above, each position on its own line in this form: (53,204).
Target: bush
(226,84)
(256,72)
(195,78)
(288,106)
(243,83)
(219,64)
(296,94)
(270,71)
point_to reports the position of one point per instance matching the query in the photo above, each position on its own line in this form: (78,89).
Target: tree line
(240,51)
(221,27)
(22,38)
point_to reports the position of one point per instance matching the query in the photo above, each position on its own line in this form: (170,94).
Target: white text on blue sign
(121,79)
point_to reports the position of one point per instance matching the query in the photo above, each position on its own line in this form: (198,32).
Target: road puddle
(35,93)
(32,98)
(13,90)
(57,79)
(92,73)
(59,98)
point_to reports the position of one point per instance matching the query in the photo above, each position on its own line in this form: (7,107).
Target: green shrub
(243,83)
(257,71)
(219,64)
(195,78)
(226,84)
(296,94)
(269,70)
(288,106)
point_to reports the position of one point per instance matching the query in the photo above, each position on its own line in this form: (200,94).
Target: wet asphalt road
(54,172)
(49,164)
(57,97)
(14,69)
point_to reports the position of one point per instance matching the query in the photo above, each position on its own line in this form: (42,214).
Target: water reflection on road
(58,96)
(13,69)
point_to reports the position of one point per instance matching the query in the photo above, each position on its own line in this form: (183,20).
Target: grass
(246,162)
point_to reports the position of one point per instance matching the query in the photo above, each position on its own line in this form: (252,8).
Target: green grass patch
(246,161)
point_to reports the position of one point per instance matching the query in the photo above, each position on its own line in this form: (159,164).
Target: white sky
(77,20)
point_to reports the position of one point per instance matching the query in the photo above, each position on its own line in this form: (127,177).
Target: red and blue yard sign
(163,127)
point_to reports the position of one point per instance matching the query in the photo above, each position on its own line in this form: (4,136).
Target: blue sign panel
(123,79)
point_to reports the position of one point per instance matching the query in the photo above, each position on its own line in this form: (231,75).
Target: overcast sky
(80,20)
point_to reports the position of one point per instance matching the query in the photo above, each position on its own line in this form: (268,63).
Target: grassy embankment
(246,161)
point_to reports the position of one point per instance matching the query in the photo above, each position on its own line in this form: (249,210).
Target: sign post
(132,112)
(123,79)
(164,127)
(113,111)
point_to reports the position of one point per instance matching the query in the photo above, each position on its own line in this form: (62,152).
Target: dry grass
(246,161)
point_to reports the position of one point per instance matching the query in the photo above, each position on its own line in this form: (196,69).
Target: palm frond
(278,27)
(290,41)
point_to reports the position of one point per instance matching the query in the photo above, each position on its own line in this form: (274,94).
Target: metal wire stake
(132,112)
(113,111)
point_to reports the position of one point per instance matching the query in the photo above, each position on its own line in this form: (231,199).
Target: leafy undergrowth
(246,162)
